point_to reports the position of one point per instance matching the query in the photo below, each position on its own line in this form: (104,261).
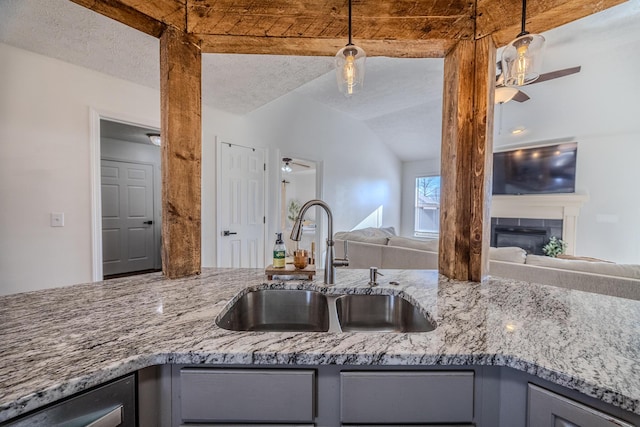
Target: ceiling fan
(288,161)
(507,93)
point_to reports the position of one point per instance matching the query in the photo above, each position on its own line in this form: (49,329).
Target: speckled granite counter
(57,342)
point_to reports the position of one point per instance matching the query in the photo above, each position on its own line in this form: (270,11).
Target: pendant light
(350,65)
(522,58)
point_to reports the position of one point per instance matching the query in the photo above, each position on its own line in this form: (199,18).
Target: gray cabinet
(406,397)
(548,409)
(110,405)
(247,395)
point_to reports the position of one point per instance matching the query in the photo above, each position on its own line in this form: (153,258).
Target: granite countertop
(57,342)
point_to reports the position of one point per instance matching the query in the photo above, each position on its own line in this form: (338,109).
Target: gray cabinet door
(247,395)
(547,409)
(406,397)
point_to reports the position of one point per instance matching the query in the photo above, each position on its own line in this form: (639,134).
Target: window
(427,213)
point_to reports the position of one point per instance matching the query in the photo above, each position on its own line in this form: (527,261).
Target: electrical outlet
(57,219)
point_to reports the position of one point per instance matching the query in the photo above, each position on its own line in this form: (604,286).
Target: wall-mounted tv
(536,170)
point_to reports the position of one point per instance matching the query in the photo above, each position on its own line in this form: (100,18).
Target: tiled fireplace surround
(553,214)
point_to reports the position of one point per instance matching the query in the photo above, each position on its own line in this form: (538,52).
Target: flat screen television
(537,170)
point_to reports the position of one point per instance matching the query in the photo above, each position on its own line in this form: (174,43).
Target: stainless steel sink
(278,310)
(380,313)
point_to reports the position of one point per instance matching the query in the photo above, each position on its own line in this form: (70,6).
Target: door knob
(148,222)
(227,233)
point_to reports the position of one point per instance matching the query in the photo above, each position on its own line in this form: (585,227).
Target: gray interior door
(127,217)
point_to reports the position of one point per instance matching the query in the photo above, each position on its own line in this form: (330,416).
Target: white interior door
(241,207)
(127,217)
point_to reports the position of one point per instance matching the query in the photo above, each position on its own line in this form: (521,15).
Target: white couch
(380,247)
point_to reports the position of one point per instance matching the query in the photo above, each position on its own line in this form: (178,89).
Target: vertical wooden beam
(467,131)
(180,83)
(482,158)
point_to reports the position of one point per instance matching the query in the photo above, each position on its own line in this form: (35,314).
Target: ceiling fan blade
(556,74)
(520,96)
(300,164)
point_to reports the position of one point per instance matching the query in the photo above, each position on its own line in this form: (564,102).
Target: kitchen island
(55,343)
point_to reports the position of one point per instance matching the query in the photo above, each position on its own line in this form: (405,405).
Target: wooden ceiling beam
(400,19)
(148,17)
(502,18)
(431,48)
(127,15)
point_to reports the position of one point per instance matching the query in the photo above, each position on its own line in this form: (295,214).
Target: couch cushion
(406,242)
(407,258)
(376,236)
(508,254)
(345,235)
(361,255)
(606,268)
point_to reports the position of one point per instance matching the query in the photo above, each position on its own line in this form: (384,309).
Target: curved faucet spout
(296,235)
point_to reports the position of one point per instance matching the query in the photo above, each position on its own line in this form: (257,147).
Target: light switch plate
(57,219)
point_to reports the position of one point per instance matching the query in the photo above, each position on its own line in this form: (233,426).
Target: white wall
(360,173)
(411,171)
(45,164)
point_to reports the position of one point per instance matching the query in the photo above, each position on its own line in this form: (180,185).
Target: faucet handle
(343,262)
(373,276)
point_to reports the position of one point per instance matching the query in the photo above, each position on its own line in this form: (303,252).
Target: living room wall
(360,174)
(599,109)
(45,164)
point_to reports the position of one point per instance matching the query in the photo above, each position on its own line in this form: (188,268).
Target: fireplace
(526,233)
(518,211)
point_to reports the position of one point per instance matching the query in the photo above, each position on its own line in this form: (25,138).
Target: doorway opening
(300,182)
(130,200)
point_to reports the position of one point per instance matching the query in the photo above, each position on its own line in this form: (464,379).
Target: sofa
(382,248)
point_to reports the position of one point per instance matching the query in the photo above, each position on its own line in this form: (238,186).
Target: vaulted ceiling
(402,99)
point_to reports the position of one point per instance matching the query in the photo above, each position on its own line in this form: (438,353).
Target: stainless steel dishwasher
(109,405)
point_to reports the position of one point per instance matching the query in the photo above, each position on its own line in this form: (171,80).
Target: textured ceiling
(401,102)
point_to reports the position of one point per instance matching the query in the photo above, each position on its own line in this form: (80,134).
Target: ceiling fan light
(155,139)
(286,168)
(522,60)
(505,94)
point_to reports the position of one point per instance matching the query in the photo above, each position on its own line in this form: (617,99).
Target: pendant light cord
(350,43)
(524,18)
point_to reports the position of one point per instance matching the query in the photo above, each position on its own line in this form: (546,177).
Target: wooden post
(180,83)
(467,135)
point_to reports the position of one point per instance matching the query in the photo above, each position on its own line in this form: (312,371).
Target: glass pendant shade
(522,60)
(350,69)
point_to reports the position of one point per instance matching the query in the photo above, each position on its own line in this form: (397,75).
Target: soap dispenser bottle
(279,252)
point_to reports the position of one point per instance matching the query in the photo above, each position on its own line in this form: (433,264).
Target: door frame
(95,115)
(265,192)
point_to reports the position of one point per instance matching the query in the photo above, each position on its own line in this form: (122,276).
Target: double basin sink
(311,311)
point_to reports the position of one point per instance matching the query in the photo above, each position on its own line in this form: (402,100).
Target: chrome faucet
(330,263)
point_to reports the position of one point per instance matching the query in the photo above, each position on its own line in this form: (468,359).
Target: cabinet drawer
(406,397)
(547,409)
(247,395)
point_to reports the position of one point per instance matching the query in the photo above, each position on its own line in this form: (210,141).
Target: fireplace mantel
(543,206)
